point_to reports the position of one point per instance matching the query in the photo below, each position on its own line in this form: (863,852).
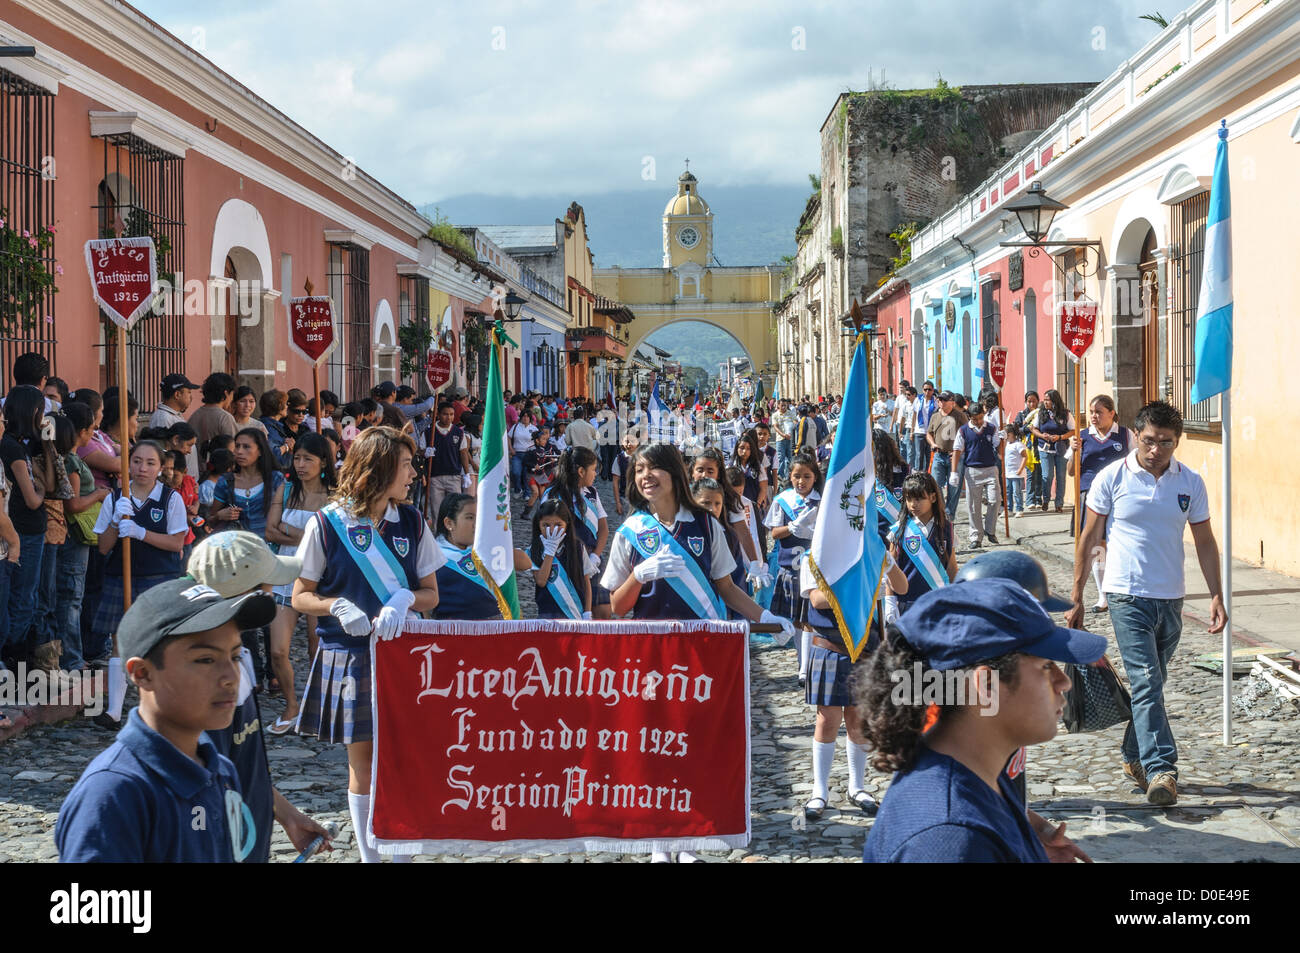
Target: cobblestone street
(1235,804)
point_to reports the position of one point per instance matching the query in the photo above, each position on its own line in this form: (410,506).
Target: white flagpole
(1226,405)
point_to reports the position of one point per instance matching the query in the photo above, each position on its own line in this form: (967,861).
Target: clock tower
(688,228)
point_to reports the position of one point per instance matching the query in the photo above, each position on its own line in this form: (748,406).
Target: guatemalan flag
(609,392)
(1214,311)
(847,555)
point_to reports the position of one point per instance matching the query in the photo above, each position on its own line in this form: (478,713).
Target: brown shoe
(1133,769)
(47,655)
(1163,790)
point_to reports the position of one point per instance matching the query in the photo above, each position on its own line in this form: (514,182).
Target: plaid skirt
(111,606)
(336,702)
(830,678)
(786,600)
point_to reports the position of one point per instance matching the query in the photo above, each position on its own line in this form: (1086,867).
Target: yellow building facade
(691,286)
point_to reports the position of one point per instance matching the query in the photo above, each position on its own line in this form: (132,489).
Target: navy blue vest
(342,577)
(585,535)
(547,607)
(978,448)
(458,597)
(1049,424)
(790,548)
(657,599)
(896,488)
(146,560)
(823,621)
(916,584)
(446,453)
(1098,454)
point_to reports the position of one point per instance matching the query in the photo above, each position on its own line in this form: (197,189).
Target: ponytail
(566,485)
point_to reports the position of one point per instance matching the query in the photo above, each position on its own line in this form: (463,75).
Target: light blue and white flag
(1214,310)
(661,428)
(847,555)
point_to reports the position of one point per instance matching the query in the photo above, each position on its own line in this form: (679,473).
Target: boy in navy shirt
(162,793)
(984,657)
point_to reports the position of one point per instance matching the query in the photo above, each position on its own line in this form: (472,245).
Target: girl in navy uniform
(463,593)
(670,559)
(710,464)
(1104,442)
(575,486)
(891,471)
(791,518)
(153,517)
(748,458)
(621,471)
(368,559)
(921,542)
(558,560)
(708,494)
(829,687)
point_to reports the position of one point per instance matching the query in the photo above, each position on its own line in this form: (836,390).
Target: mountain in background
(752,224)
(698,344)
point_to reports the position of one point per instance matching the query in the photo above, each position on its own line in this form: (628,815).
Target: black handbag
(1097,698)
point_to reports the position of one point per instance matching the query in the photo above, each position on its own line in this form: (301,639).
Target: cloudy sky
(438,99)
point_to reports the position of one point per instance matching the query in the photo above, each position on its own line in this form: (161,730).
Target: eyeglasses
(297,410)
(1149,444)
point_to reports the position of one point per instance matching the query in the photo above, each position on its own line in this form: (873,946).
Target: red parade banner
(508,737)
(437,368)
(1077,327)
(997,367)
(311,327)
(123,272)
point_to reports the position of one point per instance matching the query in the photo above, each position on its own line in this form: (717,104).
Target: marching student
(368,559)
(153,517)
(312,479)
(448,458)
(558,560)
(539,467)
(921,542)
(891,472)
(1104,442)
(669,559)
(621,471)
(463,593)
(759,575)
(712,465)
(575,486)
(708,494)
(829,687)
(748,458)
(764,434)
(950,800)
(792,518)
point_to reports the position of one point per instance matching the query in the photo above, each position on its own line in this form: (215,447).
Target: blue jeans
(1147,633)
(516,474)
(1016,494)
(70,587)
(941,469)
(905,448)
(783,455)
(1053,472)
(24,583)
(919,448)
(1034,489)
(955,495)
(5,568)
(43,624)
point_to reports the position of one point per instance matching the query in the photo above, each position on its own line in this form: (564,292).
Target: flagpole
(1226,404)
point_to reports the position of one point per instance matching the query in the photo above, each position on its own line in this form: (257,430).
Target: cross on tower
(688,165)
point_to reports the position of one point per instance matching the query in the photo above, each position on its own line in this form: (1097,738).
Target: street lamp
(1035,211)
(514,303)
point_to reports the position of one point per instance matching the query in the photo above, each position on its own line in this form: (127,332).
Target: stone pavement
(1238,803)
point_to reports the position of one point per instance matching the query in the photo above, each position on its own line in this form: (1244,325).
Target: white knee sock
(823,758)
(857,765)
(402,858)
(1099,570)
(660,857)
(359,808)
(805,650)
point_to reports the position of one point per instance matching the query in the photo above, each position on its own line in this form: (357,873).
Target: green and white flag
(494,547)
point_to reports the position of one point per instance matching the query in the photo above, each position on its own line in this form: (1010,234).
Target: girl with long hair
(1052,430)
(891,471)
(710,464)
(465,593)
(311,481)
(575,486)
(558,560)
(242,499)
(921,542)
(792,518)
(368,559)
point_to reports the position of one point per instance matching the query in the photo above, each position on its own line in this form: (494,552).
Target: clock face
(687,236)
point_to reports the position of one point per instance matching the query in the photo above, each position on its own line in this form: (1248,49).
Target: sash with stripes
(792,504)
(588,524)
(917,546)
(647,536)
(887,502)
(459,561)
(370,553)
(562,590)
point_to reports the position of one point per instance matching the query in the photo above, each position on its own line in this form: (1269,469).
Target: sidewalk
(1265,605)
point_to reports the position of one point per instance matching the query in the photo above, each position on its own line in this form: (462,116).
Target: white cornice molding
(348,236)
(38,69)
(409,269)
(103,123)
(142,47)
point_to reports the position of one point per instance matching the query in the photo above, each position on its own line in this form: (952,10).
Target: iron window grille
(26,204)
(1188,225)
(349,286)
(142,194)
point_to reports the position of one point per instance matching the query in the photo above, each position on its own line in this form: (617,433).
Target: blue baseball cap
(965,623)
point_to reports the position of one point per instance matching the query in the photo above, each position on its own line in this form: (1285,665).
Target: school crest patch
(648,540)
(696,544)
(1119,447)
(467,565)
(1184,501)
(401,546)
(360,536)
(156,513)
(913,544)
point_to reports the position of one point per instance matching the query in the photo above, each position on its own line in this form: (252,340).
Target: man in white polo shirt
(1147,498)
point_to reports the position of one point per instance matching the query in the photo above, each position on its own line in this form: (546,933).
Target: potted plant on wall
(29,273)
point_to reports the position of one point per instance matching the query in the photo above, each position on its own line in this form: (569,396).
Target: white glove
(787,627)
(587,615)
(952,481)
(465,481)
(354,621)
(552,540)
(804,524)
(593,563)
(124,509)
(388,624)
(660,566)
(130,529)
(757,573)
(891,609)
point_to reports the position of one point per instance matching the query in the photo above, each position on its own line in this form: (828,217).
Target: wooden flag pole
(124,453)
(1078,463)
(315,367)
(1002,490)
